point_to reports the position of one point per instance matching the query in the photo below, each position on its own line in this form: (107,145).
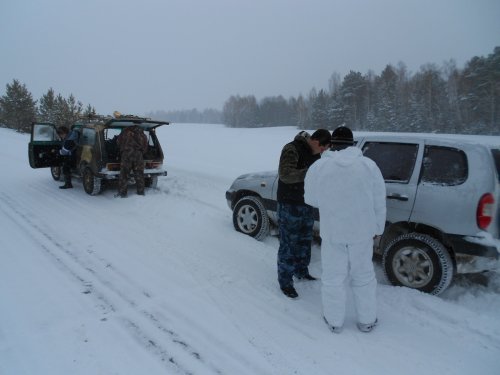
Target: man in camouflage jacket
(295,217)
(133,143)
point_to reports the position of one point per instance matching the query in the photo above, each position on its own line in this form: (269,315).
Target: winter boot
(367,327)
(67,183)
(307,277)
(332,328)
(290,292)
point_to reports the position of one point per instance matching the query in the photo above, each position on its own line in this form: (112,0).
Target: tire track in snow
(177,186)
(232,356)
(108,295)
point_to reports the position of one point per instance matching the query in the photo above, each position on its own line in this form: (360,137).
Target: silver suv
(442,207)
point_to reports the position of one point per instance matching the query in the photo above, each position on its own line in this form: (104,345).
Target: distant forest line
(440,99)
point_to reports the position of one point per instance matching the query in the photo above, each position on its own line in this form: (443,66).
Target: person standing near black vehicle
(133,144)
(295,217)
(67,151)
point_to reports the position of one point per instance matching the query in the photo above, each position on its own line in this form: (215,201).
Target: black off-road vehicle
(97,155)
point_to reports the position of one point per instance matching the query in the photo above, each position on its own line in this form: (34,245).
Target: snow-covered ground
(163,284)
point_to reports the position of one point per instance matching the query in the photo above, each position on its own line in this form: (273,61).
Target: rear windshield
(496,157)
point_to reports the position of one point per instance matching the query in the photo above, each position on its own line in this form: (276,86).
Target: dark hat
(323,136)
(342,135)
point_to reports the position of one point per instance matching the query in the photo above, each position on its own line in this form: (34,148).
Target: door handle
(398,197)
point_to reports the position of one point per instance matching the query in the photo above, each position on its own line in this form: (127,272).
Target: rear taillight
(484,214)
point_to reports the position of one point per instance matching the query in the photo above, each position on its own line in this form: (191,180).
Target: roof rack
(118,115)
(93,117)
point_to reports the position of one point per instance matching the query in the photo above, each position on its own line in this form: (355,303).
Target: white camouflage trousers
(339,261)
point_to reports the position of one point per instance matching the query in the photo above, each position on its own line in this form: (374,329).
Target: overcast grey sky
(138,56)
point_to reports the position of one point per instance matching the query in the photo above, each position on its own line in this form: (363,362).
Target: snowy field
(163,284)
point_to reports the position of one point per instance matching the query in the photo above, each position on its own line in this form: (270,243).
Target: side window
(112,133)
(44,132)
(395,160)
(444,166)
(87,136)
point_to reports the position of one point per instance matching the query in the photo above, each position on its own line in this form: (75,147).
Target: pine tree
(61,112)
(47,108)
(386,99)
(452,76)
(430,98)
(89,111)
(353,96)
(302,113)
(74,109)
(319,115)
(479,91)
(17,107)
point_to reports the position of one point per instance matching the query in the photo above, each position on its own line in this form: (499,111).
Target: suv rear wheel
(151,182)
(418,261)
(250,217)
(91,184)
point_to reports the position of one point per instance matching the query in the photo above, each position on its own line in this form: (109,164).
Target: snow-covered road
(163,284)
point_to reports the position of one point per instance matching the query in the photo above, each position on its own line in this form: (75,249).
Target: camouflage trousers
(295,230)
(131,162)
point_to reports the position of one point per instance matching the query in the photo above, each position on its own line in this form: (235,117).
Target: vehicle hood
(260,175)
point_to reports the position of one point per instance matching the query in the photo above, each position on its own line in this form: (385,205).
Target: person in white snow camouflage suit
(295,218)
(133,143)
(349,190)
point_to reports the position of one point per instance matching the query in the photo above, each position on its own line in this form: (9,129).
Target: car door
(448,191)
(399,161)
(44,145)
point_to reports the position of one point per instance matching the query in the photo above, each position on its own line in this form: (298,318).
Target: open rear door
(44,146)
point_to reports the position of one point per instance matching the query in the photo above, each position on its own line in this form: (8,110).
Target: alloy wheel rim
(413,266)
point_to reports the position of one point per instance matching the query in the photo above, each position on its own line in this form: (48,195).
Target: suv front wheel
(250,217)
(56,173)
(418,261)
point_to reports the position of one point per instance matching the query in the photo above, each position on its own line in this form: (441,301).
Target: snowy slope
(163,284)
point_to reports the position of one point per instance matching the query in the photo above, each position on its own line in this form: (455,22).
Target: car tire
(91,184)
(56,173)
(250,217)
(151,182)
(418,261)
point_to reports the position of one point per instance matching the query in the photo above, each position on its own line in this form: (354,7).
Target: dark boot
(67,183)
(307,277)
(290,292)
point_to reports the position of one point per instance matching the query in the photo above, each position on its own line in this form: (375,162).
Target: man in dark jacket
(133,143)
(295,218)
(67,151)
